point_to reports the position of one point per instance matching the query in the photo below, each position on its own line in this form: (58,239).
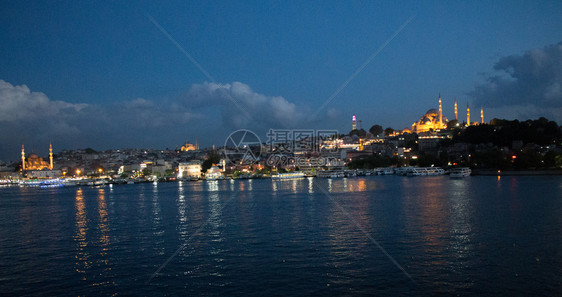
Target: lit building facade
(189,170)
(213,173)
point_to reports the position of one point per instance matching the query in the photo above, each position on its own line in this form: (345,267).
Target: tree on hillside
(90,151)
(212,158)
(376,130)
(361,133)
(452,124)
(388,131)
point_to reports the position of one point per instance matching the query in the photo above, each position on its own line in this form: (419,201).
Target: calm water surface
(384,235)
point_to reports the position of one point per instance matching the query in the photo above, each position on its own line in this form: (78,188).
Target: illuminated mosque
(189,147)
(34,162)
(434,119)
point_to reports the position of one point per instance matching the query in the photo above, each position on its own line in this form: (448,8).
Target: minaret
(22,158)
(456,112)
(440,113)
(50,156)
(467,115)
(354,123)
(481,115)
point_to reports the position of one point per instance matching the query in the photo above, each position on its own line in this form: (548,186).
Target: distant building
(213,173)
(45,173)
(34,162)
(434,119)
(189,169)
(189,147)
(429,121)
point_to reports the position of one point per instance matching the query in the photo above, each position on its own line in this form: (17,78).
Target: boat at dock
(288,175)
(330,173)
(460,172)
(425,171)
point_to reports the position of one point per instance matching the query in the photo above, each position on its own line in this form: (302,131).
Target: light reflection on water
(461,211)
(454,236)
(82,257)
(157,231)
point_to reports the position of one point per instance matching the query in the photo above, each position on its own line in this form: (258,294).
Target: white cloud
(242,107)
(204,111)
(18,103)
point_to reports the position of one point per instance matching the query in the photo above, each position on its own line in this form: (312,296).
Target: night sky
(151,75)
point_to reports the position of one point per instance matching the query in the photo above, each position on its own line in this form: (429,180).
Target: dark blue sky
(104,75)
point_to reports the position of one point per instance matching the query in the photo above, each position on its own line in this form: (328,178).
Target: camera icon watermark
(284,147)
(242,147)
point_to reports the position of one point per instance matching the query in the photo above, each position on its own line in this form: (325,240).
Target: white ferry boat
(425,171)
(417,171)
(330,173)
(433,171)
(460,172)
(385,171)
(288,175)
(402,171)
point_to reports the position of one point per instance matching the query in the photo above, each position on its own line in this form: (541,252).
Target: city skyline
(149,75)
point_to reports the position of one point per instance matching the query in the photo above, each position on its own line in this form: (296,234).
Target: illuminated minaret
(467,115)
(22,158)
(50,156)
(354,123)
(440,113)
(456,111)
(481,115)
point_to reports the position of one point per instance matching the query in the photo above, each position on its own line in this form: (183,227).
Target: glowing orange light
(514,157)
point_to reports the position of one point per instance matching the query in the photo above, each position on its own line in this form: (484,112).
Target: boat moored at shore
(288,175)
(460,172)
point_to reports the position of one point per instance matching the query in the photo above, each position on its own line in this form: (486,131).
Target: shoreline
(489,172)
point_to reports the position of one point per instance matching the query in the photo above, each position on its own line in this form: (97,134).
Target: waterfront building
(213,173)
(189,169)
(44,173)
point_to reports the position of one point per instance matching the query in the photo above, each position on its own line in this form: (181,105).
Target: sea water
(380,235)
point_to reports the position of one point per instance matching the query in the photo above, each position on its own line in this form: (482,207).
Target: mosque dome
(432,111)
(429,121)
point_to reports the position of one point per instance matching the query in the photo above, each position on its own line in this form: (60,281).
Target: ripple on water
(310,237)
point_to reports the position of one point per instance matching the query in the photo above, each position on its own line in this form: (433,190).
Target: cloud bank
(525,86)
(31,118)
(241,107)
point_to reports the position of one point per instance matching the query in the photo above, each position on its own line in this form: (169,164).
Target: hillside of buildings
(500,145)
(497,145)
